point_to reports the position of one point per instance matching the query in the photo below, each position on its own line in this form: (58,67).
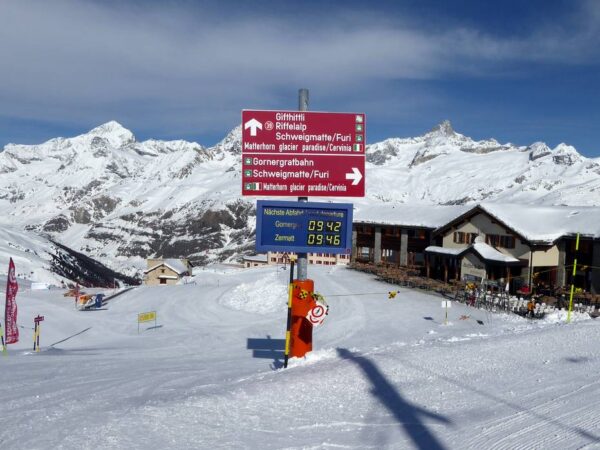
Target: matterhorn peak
(444,129)
(115,133)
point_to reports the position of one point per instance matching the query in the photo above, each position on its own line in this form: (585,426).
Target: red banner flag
(10,311)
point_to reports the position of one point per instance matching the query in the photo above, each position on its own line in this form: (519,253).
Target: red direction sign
(292,153)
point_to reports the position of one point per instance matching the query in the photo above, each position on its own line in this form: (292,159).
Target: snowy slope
(31,254)
(384,373)
(118,200)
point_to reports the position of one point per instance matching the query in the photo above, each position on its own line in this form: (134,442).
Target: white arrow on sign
(253,124)
(356,176)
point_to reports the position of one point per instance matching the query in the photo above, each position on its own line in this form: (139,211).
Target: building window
(391,231)
(163,281)
(496,240)
(364,229)
(461,237)
(416,234)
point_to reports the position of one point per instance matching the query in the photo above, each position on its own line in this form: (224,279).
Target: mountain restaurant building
(397,235)
(521,245)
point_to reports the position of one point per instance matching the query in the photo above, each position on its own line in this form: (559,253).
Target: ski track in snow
(384,373)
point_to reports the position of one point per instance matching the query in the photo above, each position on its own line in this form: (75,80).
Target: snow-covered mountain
(118,200)
(445,167)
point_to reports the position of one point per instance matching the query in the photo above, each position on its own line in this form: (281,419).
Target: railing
(408,276)
(494,300)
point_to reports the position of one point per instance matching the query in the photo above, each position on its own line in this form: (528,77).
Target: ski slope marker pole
(446,304)
(289,316)
(573,280)
(35,333)
(3,344)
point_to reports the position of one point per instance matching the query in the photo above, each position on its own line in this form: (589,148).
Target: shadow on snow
(268,349)
(409,416)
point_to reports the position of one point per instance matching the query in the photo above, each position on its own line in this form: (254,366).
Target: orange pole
(301,331)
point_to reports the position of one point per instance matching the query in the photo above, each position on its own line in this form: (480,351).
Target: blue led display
(303,227)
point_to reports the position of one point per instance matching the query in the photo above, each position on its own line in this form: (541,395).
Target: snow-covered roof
(256,258)
(174,264)
(410,215)
(547,223)
(445,250)
(543,224)
(484,250)
(534,223)
(489,253)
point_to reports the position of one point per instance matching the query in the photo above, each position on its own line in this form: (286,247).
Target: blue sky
(516,71)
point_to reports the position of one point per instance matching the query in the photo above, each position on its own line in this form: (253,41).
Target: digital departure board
(303,227)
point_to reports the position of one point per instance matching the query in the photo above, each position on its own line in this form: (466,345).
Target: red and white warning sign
(316,316)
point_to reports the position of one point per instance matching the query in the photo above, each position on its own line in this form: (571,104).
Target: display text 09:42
(324,233)
(322,225)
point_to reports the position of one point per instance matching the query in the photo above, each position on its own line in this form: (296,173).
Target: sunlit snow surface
(384,373)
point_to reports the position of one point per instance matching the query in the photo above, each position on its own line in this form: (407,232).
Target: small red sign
(38,319)
(316,316)
(292,153)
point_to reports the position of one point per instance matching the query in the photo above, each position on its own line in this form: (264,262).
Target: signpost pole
(296,153)
(302,257)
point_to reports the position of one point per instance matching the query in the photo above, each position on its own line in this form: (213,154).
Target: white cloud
(171,67)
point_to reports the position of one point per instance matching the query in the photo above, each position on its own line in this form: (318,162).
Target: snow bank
(264,296)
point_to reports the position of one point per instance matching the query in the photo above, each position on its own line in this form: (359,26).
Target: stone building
(166,271)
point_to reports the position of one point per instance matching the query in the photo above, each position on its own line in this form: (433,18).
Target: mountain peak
(538,150)
(115,133)
(444,128)
(565,154)
(108,127)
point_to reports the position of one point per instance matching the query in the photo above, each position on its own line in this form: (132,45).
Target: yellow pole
(2,338)
(573,280)
(289,316)
(37,343)
(35,330)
